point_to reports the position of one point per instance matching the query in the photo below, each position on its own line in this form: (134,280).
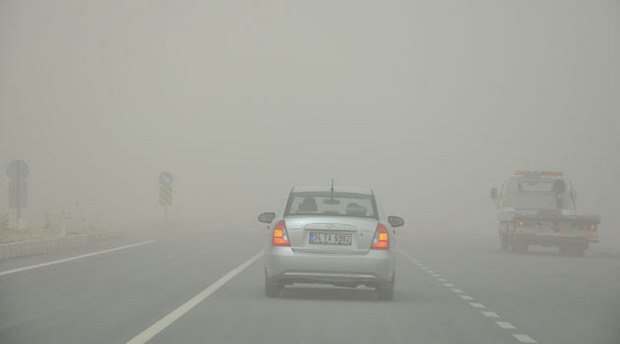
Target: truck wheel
(579,249)
(503,241)
(568,249)
(515,246)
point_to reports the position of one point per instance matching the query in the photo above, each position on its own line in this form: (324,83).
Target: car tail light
(280,236)
(381,241)
(522,223)
(591,226)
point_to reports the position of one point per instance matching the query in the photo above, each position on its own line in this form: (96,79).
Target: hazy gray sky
(428,103)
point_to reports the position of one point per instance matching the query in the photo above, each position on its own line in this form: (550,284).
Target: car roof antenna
(332,190)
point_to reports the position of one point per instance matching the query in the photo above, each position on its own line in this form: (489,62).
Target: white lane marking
(436,275)
(506,325)
(490,314)
(169,319)
(74,258)
(523,338)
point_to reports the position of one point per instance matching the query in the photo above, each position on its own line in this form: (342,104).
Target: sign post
(18,170)
(165,192)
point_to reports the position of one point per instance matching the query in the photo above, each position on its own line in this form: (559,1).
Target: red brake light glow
(280,236)
(381,241)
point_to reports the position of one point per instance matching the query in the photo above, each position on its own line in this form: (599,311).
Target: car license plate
(330,238)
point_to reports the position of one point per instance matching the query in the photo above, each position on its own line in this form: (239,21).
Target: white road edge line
(74,258)
(458,291)
(477,305)
(506,325)
(169,319)
(466,297)
(523,338)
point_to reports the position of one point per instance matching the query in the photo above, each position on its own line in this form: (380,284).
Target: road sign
(165,196)
(165,178)
(17,169)
(18,194)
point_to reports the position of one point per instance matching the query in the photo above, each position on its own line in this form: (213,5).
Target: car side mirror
(267,217)
(396,221)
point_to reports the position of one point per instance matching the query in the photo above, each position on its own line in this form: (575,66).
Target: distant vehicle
(330,236)
(538,208)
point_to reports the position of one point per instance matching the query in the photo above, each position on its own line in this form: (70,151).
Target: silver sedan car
(331,236)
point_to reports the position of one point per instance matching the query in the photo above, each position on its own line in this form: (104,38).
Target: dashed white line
(74,258)
(166,321)
(490,314)
(506,325)
(523,338)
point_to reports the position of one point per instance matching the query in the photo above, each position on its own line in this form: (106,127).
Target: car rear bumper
(285,266)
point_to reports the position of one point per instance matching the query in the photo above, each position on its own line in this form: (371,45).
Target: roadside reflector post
(165,192)
(17,171)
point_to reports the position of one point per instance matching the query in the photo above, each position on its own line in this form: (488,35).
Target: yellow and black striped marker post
(165,196)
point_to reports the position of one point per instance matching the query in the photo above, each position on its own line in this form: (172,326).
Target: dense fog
(428,103)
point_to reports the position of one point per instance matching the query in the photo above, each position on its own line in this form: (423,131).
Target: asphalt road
(192,286)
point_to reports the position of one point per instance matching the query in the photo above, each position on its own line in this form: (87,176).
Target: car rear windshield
(338,204)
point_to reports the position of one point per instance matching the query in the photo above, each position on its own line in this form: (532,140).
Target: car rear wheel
(272,289)
(386,291)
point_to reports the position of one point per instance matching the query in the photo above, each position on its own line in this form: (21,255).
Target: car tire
(385,292)
(272,289)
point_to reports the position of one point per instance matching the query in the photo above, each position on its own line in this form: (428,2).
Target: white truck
(538,208)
